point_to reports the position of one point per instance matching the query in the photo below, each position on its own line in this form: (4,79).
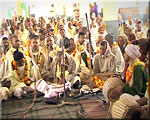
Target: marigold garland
(11,51)
(3,59)
(115,44)
(88,61)
(148,88)
(25,79)
(130,70)
(40,59)
(128,43)
(27,52)
(80,48)
(97,51)
(28,48)
(58,73)
(98,81)
(74,53)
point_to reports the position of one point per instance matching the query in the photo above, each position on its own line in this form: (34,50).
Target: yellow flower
(28,82)
(140,63)
(22,80)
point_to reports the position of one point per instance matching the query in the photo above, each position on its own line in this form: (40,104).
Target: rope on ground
(28,109)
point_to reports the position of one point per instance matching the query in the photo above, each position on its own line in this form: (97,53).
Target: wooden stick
(91,87)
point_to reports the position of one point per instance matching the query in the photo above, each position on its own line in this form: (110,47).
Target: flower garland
(130,70)
(88,61)
(27,52)
(80,48)
(28,48)
(25,79)
(58,73)
(40,60)
(98,81)
(97,51)
(148,88)
(115,44)
(3,59)
(128,43)
(139,63)
(129,73)
(74,53)
(11,51)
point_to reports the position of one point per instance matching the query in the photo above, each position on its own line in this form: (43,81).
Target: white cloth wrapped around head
(133,51)
(107,50)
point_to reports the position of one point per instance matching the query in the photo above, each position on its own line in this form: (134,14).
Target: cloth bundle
(51,91)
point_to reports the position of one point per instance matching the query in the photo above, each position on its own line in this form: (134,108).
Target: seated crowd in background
(32,50)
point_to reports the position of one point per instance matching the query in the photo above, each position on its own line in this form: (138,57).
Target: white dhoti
(52,90)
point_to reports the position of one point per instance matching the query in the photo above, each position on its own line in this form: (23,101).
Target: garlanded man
(70,69)
(115,49)
(80,65)
(136,76)
(81,47)
(105,60)
(104,64)
(38,56)
(50,50)
(15,45)
(23,73)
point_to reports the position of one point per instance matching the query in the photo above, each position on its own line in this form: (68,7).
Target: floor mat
(14,108)
(94,108)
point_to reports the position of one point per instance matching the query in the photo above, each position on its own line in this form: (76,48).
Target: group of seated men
(34,55)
